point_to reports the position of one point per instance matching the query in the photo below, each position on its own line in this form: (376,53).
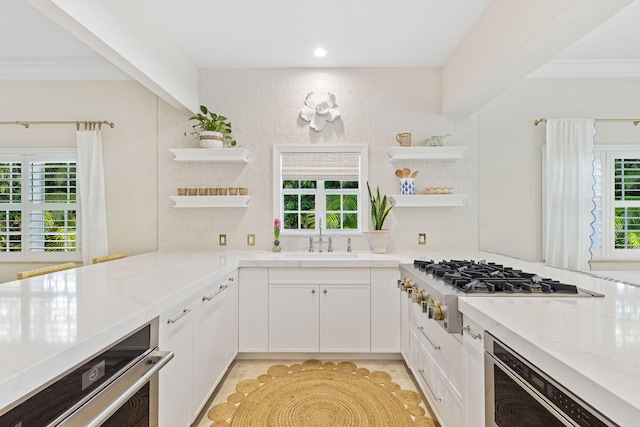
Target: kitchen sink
(318,255)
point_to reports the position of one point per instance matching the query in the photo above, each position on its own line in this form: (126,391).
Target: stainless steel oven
(518,394)
(118,387)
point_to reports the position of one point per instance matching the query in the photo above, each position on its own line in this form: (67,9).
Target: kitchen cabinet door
(294,318)
(232,317)
(473,336)
(174,391)
(253,306)
(210,342)
(345,318)
(385,311)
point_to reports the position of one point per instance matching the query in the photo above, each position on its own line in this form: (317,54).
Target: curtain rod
(634,121)
(77,123)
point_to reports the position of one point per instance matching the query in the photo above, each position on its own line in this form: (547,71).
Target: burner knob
(440,312)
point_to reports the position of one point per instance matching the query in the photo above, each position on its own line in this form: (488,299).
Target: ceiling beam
(125,33)
(511,40)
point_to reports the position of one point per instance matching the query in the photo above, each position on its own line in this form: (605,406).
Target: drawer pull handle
(467,329)
(435,347)
(179,316)
(426,382)
(213,295)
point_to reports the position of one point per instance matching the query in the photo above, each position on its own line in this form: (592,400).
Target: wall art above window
(319,108)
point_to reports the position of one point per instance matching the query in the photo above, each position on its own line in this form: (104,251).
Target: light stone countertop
(48,324)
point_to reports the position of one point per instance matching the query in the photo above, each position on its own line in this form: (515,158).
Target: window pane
(350,202)
(10,231)
(350,221)
(329,185)
(291,202)
(291,184)
(290,221)
(53,231)
(627,228)
(333,202)
(307,202)
(10,182)
(349,184)
(333,221)
(308,221)
(307,184)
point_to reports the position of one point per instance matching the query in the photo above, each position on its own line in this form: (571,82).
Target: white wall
(511,146)
(264,106)
(130,150)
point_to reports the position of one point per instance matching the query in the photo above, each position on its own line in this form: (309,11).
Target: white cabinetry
(210,341)
(319,309)
(200,332)
(385,311)
(473,340)
(174,394)
(345,318)
(253,306)
(294,321)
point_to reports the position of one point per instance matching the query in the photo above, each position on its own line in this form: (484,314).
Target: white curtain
(90,179)
(568,212)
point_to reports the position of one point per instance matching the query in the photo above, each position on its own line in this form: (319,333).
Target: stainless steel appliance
(437,286)
(520,394)
(118,387)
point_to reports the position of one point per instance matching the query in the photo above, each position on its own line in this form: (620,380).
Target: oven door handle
(98,410)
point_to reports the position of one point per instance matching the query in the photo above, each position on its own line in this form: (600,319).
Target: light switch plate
(251,239)
(422,239)
(222,240)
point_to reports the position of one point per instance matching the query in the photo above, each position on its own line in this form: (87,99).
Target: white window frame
(607,155)
(363,198)
(25,157)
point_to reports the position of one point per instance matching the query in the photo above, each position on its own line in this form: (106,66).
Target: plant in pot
(213,130)
(380,208)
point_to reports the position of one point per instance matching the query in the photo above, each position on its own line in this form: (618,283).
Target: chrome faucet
(320,241)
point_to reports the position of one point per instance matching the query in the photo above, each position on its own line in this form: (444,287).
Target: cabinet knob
(313,291)
(231,279)
(325,291)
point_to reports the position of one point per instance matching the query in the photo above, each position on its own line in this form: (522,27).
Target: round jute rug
(316,394)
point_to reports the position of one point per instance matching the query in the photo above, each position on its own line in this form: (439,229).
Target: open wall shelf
(211,201)
(429,200)
(225,155)
(427,153)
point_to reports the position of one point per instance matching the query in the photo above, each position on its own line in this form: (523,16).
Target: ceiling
(283,33)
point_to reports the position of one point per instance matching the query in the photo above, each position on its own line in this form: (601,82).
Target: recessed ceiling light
(320,52)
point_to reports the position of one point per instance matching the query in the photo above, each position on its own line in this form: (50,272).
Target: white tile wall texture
(264,106)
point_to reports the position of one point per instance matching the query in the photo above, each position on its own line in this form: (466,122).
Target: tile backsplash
(264,107)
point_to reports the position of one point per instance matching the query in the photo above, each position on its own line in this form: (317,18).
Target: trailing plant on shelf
(380,208)
(212,126)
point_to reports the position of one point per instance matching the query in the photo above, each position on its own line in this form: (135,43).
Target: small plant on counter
(208,121)
(277,224)
(380,208)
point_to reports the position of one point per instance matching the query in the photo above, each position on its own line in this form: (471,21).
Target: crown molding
(588,69)
(59,70)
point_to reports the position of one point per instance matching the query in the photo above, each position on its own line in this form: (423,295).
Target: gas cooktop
(482,277)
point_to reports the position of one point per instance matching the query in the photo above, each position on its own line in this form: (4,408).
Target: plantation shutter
(626,202)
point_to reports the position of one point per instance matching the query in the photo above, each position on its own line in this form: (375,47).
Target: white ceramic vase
(210,139)
(378,240)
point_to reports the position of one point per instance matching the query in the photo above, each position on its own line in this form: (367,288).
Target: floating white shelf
(427,153)
(211,201)
(226,155)
(429,200)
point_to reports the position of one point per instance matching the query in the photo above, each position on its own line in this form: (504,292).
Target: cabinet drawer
(446,351)
(445,403)
(319,276)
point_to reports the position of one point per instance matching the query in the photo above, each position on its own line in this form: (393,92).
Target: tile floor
(245,369)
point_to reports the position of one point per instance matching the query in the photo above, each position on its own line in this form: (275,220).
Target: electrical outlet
(422,239)
(251,239)
(222,240)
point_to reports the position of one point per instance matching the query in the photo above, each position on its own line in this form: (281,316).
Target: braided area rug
(316,394)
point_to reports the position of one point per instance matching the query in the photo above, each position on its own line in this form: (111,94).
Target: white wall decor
(319,109)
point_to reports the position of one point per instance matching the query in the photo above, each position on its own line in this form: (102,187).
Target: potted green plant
(380,208)
(213,130)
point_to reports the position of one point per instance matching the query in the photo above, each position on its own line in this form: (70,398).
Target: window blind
(330,166)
